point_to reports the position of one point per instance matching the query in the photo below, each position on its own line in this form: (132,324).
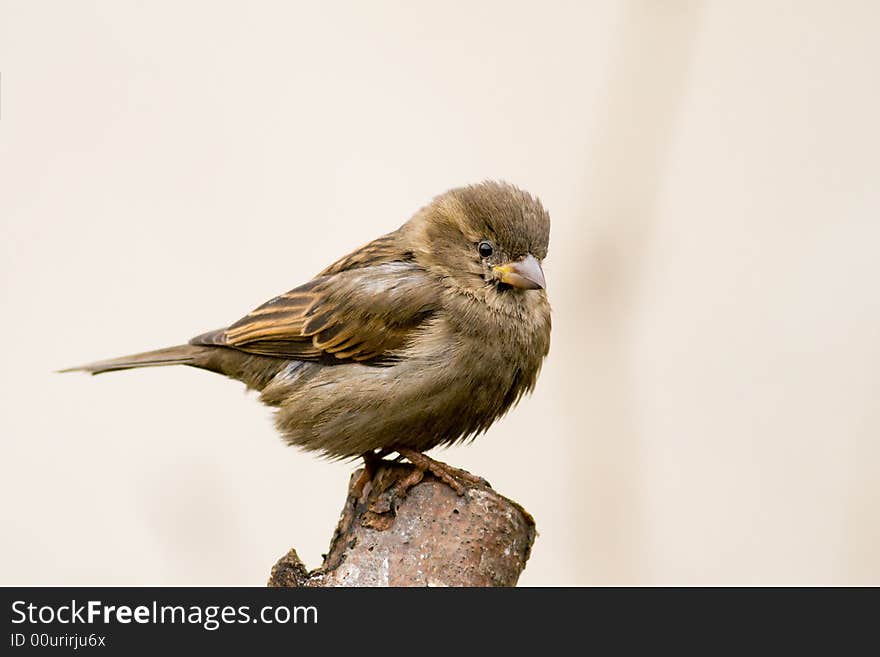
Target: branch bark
(428,536)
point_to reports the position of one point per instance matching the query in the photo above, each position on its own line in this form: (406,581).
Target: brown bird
(423,337)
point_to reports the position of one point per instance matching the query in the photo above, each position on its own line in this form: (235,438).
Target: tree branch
(429,536)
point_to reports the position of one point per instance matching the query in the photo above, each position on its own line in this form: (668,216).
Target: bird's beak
(525,274)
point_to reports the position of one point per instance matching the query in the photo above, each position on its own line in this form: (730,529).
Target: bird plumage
(415,339)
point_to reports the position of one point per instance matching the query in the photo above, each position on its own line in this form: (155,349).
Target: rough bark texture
(430,536)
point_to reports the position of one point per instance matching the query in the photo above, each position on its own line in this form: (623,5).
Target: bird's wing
(364,314)
(385,249)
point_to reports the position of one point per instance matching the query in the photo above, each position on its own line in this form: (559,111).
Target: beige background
(709,412)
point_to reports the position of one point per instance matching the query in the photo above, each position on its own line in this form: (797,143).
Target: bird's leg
(371,464)
(452,477)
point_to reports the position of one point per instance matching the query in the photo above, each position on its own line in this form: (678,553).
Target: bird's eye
(485,248)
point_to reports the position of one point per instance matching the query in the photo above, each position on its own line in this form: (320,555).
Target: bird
(421,338)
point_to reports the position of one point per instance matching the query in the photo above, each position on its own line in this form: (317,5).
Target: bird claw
(457,479)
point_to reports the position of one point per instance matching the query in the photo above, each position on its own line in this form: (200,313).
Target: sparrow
(422,337)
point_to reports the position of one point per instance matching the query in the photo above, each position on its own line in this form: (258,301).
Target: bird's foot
(457,479)
(372,461)
(381,489)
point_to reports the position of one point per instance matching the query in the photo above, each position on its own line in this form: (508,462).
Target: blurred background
(710,410)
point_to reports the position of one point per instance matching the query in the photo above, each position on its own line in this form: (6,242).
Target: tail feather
(184,354)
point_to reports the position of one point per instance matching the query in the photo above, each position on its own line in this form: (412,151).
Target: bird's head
(487,235)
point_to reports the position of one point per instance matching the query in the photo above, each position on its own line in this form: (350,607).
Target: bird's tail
(185,354)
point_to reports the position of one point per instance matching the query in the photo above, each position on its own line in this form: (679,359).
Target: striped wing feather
(363,308)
